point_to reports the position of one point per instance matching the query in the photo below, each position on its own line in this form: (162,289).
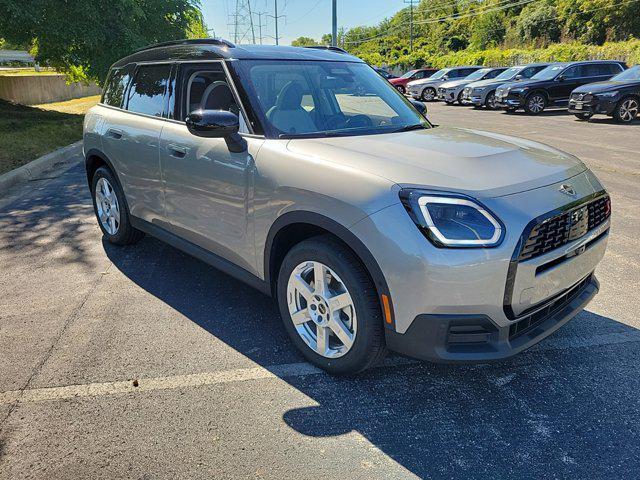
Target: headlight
(519,89)
(607,94)
(452,221)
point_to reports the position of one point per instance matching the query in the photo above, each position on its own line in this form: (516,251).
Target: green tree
(84,37)
(488,30)
(304,42)
(537,23)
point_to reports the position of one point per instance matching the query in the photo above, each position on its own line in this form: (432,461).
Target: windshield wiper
(408,128)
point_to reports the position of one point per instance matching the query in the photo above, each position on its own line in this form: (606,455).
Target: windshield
(508,73)
(409,74)
(478,74)
(320,99)
(632,74)
(439,74)
(548,73)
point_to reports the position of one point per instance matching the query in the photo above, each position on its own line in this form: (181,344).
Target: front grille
(530,322)
(581,97)
(564,228)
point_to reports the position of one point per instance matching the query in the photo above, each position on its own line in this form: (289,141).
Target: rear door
(131,137)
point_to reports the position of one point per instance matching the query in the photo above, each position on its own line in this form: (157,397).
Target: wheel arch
(95,159)
(293,227)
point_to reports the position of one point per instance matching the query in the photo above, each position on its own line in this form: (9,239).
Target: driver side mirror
(445,77)
(561,78)
(217,124)
(518,78)
(421,107)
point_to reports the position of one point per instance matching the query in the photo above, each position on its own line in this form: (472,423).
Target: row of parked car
(585,88)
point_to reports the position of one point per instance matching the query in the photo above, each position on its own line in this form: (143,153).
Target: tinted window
(493,74)
(147,92)
(611,69)
(115,87)
(573,72)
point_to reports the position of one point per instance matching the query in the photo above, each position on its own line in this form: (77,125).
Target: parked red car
(401,82)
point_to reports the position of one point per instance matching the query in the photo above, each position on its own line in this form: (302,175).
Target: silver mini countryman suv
(305,174)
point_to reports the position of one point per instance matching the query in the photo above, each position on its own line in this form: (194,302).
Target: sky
(309,18)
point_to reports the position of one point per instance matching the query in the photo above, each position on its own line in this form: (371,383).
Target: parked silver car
(426,89)
(483,92)
(373,229)
(451,92)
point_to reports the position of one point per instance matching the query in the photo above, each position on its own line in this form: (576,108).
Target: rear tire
(626,110)
(111,209)
(535,103)
(361,319)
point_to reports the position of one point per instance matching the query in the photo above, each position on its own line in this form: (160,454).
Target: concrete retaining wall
(36,89)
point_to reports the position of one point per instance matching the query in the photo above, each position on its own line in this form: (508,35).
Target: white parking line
(259,373)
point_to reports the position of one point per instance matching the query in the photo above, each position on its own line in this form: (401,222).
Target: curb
(59,158)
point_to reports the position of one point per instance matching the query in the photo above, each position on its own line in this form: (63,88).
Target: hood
(480,164)
(453,83)
(396,80)
(604,86)
(524,83)
(488,83)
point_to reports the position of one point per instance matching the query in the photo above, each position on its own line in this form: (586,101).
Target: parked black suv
(619,97)
(552,86)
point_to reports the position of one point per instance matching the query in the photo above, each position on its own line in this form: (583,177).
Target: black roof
(214,49)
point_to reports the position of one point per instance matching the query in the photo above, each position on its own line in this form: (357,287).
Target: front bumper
(447,95)
(509,101)
(593,106)
(476,338)
(433,289)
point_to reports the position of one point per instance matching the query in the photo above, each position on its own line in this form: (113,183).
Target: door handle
(177,151)
(115,133)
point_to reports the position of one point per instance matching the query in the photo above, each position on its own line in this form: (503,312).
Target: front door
(207,187)
(565,84)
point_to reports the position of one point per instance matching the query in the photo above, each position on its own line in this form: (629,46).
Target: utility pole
(260,37)
(276,17)
(334,23)
(410,3)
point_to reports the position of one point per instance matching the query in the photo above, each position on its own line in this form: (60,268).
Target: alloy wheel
(107,206)
(428,95)
(629,109)
(536,103)
(491,101)
(321,309)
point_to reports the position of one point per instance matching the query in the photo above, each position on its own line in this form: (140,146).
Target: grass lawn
(27,133)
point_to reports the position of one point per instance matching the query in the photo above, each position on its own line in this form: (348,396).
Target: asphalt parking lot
(142,362)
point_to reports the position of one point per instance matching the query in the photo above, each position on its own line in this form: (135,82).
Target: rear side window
(115,87)
(148,90)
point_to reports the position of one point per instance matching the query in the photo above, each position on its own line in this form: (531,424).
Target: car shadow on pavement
(565,409)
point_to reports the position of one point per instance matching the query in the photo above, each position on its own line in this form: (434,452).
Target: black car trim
(513,264)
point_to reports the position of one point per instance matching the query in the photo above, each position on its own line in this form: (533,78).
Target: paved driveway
(222,394)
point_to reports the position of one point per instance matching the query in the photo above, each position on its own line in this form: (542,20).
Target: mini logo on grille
(567,189)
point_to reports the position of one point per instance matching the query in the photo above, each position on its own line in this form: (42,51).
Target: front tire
(490,101)
(330,307)
(583,116)
(401,89)
(428,94)
(110,207)
(627,110)
(535,103)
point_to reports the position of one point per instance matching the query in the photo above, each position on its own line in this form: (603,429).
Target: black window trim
(176,65)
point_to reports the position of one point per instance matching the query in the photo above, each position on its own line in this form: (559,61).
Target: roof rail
(327,47)
(192,41)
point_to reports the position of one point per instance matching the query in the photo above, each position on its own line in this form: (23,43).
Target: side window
(493,74)
(454,73)
(533,70)
(572,72)
(209,90)
(611,69)
(115,87)
(421,74)
(147,92)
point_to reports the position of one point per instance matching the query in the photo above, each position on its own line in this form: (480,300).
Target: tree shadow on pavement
(56,215)
(569,410)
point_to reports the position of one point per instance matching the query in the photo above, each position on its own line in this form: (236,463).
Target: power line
(411,3)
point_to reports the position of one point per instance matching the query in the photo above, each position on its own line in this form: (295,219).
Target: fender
(341,232)
(94,152)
